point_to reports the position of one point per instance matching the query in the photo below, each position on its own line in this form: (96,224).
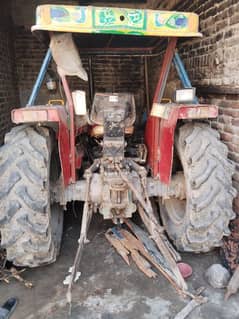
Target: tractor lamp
(185,95)
(79,99)
(51,81)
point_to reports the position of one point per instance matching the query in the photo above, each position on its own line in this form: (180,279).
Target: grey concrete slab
(108,288)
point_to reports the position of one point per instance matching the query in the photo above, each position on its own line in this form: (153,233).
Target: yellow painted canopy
(116,21)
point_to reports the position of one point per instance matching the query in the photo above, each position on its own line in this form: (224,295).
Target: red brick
(233,148)
(227,137)
(231,129)
(235,121)
(225,119)
(236,176)
(233,156)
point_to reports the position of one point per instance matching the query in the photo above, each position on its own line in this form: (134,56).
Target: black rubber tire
(30,225)
(199,223)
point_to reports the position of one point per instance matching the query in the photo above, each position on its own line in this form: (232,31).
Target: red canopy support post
(72,128)
(152,132)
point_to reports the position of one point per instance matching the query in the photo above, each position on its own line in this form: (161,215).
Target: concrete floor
(108,288)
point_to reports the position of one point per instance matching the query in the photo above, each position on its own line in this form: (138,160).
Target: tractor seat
(112,103)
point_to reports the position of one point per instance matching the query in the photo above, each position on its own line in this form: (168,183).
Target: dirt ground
(108,288)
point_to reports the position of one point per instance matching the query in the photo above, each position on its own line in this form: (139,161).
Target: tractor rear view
(98,152)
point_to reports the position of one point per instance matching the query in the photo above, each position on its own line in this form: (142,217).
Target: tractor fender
(159,133)
(56,118)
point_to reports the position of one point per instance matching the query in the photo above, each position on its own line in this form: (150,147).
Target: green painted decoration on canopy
(115,20)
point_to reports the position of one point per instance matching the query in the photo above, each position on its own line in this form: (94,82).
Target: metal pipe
(182,73)
(146,81)
(40,78)
(91,82)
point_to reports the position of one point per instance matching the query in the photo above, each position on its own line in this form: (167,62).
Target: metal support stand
(86,218)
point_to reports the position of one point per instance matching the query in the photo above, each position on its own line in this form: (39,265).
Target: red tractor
(97,154)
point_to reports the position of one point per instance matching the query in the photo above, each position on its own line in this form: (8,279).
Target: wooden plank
(142,264)
(115,242)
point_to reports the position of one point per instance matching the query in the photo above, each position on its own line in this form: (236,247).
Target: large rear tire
(30,225)
(198,223)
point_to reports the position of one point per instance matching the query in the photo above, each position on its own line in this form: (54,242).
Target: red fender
(53,116)
(159,135)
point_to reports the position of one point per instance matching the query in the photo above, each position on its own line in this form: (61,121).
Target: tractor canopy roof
(116,21)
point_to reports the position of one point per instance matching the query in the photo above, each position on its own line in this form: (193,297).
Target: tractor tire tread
(24,208)
(208,178)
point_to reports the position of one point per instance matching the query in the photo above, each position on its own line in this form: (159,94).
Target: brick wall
(120,74)
(114,74)
(23,11)
(8,84)
(29,56)
(213,60)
